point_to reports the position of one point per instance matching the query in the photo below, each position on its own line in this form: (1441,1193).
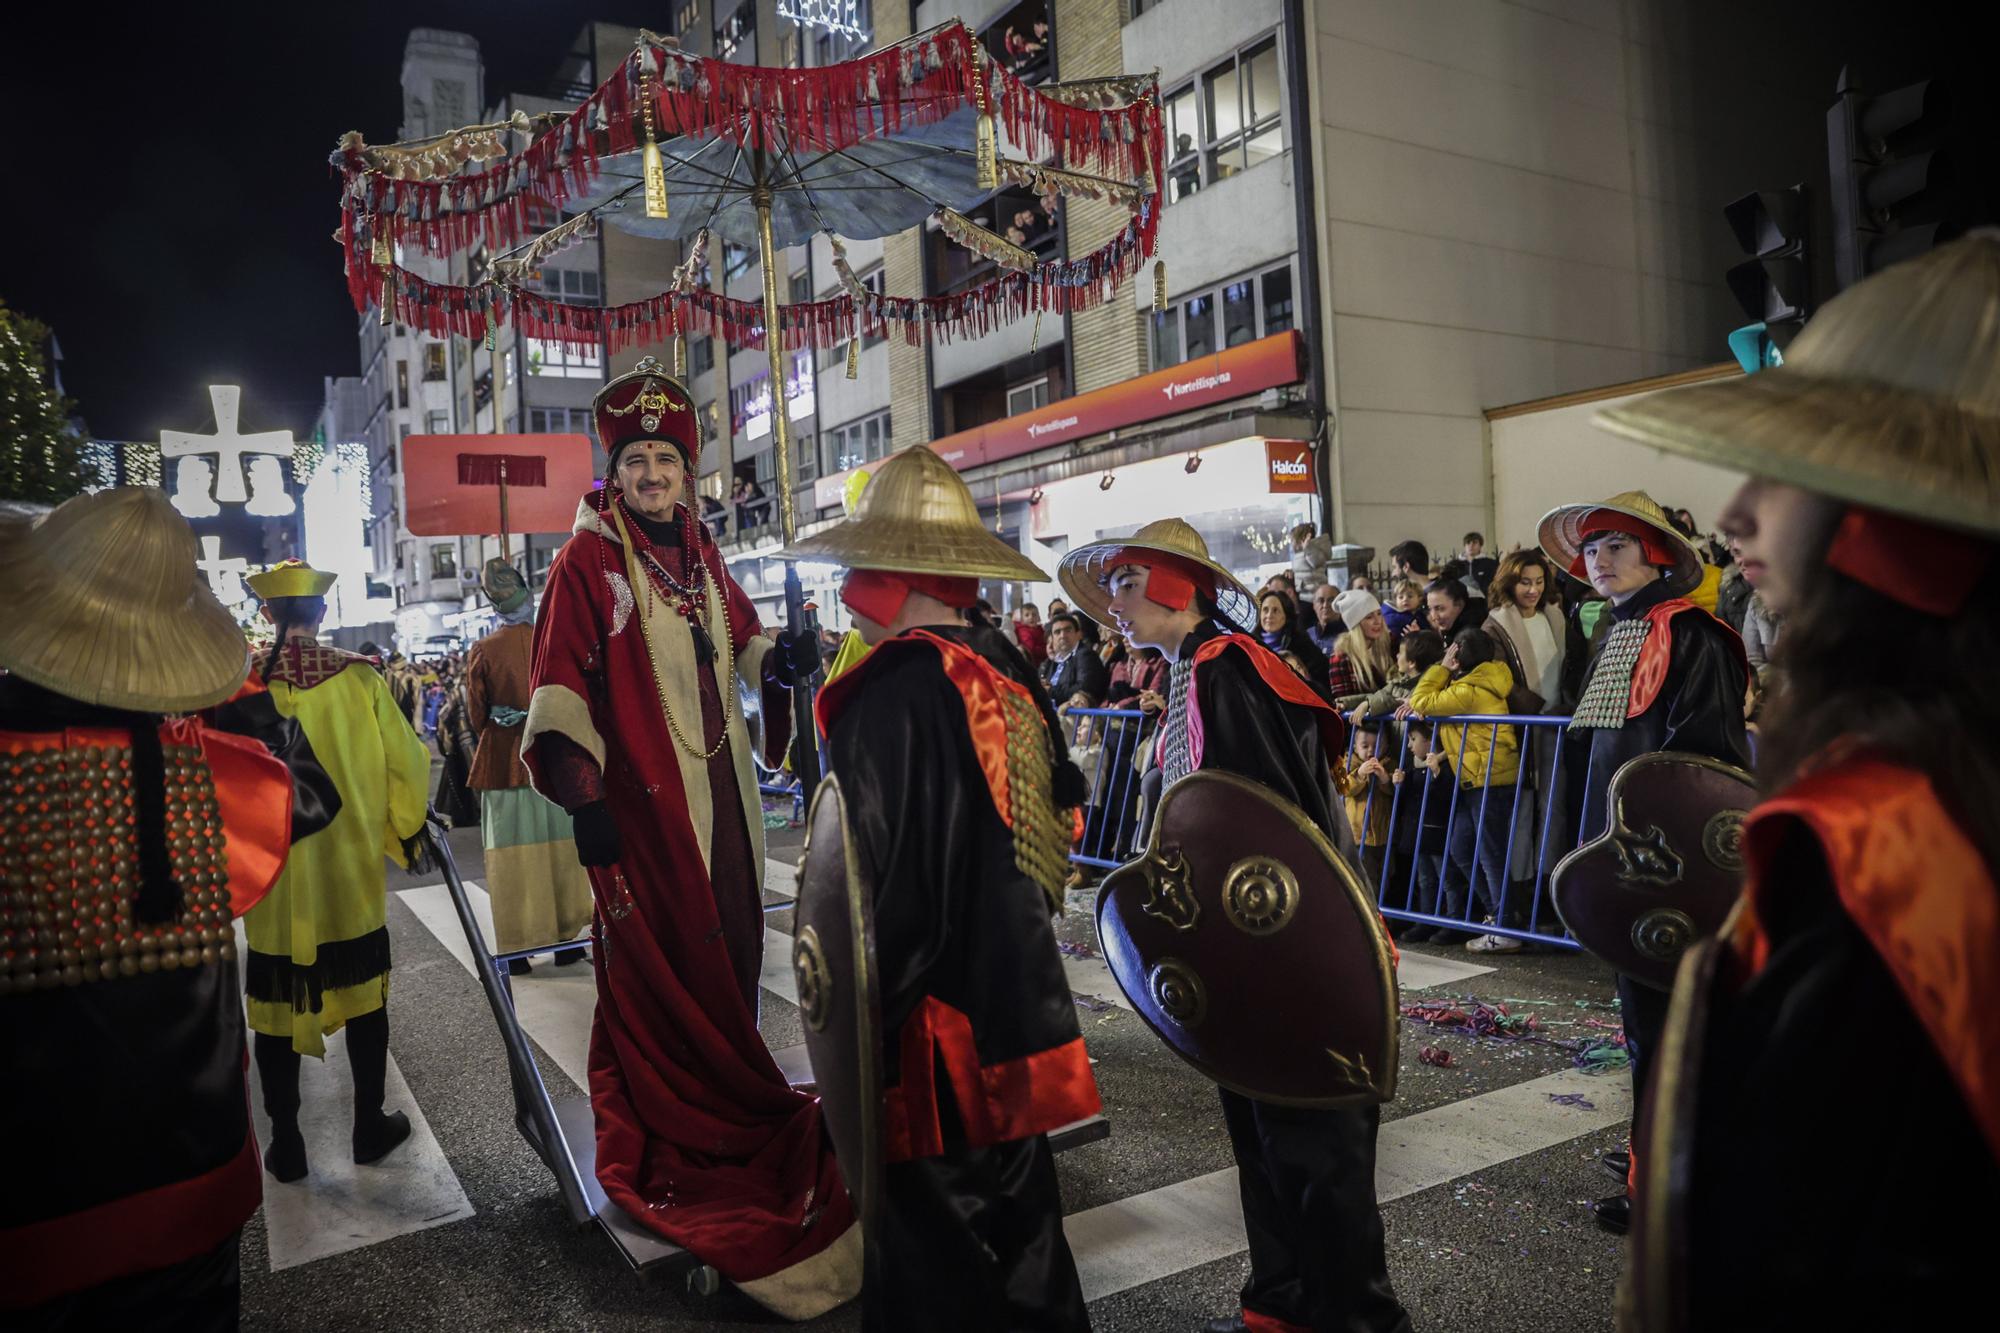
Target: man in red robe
(634,729)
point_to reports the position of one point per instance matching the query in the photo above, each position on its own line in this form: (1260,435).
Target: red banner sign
(451,483)
(1232,373)
(1290,464)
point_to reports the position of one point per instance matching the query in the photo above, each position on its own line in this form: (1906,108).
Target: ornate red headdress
(647,403)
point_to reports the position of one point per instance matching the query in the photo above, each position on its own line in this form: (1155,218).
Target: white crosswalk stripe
(340,1206)
(1161,1232)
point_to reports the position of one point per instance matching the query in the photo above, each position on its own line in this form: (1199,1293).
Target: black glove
(794,657)
(597,841)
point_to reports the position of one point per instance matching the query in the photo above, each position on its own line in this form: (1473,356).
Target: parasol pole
(505,553)
(805,753)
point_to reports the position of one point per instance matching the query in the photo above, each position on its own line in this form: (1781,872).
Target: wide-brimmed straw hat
(1889,398)
(1084,570)
(917,516)
(105,605)
(1563,529)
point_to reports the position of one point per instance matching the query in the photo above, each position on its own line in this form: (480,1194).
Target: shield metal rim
(1667,1159)
(1615,824)
(866,998)
(1357,894)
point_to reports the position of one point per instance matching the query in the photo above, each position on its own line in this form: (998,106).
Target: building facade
(1383,217)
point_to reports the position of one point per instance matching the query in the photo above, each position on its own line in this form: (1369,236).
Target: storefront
(1206,440)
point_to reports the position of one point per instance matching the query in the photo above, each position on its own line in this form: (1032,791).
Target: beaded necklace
(691,602)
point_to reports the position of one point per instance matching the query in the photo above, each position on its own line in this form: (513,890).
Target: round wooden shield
(1667,868)
(1660,1250)
(1250,946)
(833,961)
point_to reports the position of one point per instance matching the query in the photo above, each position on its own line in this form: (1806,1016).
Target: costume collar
(1644,600)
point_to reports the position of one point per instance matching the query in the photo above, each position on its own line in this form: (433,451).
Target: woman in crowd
(1527,625)
(1448,608)
(1364,658)
(1279,630)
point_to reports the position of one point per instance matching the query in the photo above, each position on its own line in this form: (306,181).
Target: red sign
(1290,464)
(441,502)
(1232,373)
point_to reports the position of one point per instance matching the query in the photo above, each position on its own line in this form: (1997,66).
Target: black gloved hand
(597,841)
(794,657)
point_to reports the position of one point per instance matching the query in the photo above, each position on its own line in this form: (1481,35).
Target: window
(402,384)
(1023,39)
(750,407)
(1027,397)
(873,281)
(1143,6)
(1013,213)
(559,421)
(802,289)
(576,361)
(855,443)
(482,389)
(701,355)
(433,362)
(444,561)
(1198,325)
(1241,310)
(437,422)
(1183,129)
(1277,300)
(711,417)
(1227,121)
(686,15)
(506,369)
(576,286)
(736,36)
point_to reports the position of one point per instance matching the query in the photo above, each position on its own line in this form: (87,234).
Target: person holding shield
(961,803)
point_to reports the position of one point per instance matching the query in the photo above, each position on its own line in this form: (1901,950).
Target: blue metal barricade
(1470,856)
(1484,866)
(1107,744)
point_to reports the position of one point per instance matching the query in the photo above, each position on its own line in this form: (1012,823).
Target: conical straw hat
(1888,398)
(1084,569)
(1563,529)
(105,605)
(916,516)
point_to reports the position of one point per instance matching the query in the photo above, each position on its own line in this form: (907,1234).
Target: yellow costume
(319,943)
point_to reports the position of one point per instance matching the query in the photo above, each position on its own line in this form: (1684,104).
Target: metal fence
(1459,843)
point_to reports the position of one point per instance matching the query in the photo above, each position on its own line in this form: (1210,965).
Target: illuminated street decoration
(224,574)
(840,18)
(232,451)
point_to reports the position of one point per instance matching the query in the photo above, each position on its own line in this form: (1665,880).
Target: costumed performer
(1307,1175)
(1667,676)
(319,943)
(961,803)
(633,728)
(1787,1185)
(541,894)
(129,838)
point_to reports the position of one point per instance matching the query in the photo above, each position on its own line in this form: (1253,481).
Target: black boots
(375,1134)
(278,1075)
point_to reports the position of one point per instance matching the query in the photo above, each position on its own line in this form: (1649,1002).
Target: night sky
(169,210)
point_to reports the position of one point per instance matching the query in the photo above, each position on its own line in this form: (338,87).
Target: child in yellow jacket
(1473,682)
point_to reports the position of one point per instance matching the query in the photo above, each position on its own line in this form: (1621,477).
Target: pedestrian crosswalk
(1120,1245)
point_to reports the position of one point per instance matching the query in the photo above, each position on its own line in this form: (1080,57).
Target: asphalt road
(1488,1163)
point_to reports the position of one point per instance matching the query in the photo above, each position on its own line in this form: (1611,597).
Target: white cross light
(225,577)
(226,444)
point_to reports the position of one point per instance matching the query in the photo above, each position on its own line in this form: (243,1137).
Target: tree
(41,458)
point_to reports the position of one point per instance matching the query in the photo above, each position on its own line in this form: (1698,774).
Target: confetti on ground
(1092,1003)
(1069,950)
(1484,1021)
(1576,1099)
(1436,1055)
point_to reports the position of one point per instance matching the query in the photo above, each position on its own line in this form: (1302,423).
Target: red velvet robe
(698,1134)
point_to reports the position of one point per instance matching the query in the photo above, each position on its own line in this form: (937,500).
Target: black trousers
(198,1295)
(1316,1248)
(1643,1012)
(972,1241)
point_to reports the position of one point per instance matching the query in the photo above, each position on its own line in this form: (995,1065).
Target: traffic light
(1893,184)
(1774,285)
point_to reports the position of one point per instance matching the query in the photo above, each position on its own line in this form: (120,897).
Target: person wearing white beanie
(1364,657)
